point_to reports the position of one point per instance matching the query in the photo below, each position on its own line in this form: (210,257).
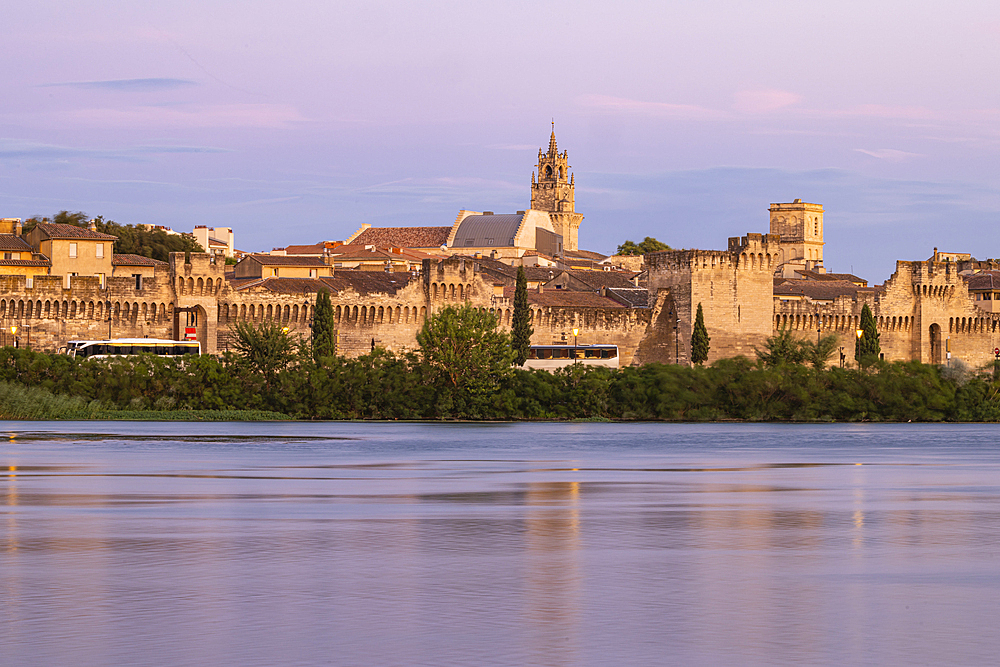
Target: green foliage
(820,352)
(132,239)
(648,244)
(465,358)
(521,330)
(324,332)
(783,348)
(866,348)
(265,347)
(699,339)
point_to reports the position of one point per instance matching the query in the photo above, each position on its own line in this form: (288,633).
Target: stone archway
(935,339)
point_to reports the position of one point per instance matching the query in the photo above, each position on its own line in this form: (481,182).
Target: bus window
(578,353)
(546,354)
(532,354)
(592,354)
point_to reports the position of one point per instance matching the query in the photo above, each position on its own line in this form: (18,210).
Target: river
(498,544)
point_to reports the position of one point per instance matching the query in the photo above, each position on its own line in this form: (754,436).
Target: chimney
(93,225)
(541,289)
(18,228)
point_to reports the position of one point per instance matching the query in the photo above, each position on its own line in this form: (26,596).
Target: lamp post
(576,336)
(13,332)
(842,356)
(859,333)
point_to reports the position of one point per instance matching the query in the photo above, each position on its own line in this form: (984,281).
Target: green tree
(783,348)
(699,339)
(648,244)
(466,357)
(521,330)
(265,347)
(324,335)
(866,347)
(132,239)
(820,351)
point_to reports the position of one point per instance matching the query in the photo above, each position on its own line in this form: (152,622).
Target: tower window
(816,227)
(548,171)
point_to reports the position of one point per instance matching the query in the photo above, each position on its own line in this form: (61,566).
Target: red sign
(190,333)
(996,350)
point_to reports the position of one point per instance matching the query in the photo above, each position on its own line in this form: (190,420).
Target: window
(138,280)
(72,250)
(8,255)
(99,251)
(312,273)
(100,276)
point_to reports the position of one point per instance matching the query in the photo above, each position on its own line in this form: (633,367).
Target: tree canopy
(866,347)
(324,334)
(132,239)
(648,244)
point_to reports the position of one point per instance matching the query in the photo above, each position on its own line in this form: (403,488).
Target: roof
(126,259)
(568,299)
(634,297)
(282,260)
(404,237)
(819,290)
(363,252)
(585,254)
(487,231)
(25,262)
(372,282)
(13,242)
(214,241)
(55,230)
(815,275)
(598,279)
(985,280)
(314,249)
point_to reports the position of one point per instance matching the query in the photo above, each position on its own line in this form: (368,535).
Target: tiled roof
(814,275)
(598,279)
(361,252)
(585,254)
(13,242)
(375,282)
(635,297)
(314,249)
(281,260)
(56,230)
(816,289)
(24,262)
(569,299)
(404,237)
(126,259)
(985,280)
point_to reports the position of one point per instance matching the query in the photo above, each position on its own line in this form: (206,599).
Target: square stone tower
(554,193)
(800,226)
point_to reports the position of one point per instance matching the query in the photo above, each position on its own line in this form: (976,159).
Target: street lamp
(13,332)
(576,335)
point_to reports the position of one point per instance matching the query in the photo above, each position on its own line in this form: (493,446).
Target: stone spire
(552,141)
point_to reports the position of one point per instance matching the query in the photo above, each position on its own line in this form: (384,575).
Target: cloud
(622,104)
(14,149)
(127,85)
(889,154)
(188,116)
(763,101)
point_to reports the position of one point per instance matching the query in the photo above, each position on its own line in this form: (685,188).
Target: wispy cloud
(764,101)
(609,103)
(188,116)
(888,154)
(126,85)
(14,149)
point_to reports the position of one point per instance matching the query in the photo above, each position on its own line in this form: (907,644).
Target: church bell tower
(554,192)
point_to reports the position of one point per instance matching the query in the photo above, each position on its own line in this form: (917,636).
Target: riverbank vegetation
(383,385)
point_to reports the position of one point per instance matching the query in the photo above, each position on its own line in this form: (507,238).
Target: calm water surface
(524,544)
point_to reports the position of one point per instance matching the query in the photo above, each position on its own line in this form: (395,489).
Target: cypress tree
(520,332)
(699,339)
(324,336)
(866,348)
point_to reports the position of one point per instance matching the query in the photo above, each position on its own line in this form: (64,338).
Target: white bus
(116,347)
(551,357)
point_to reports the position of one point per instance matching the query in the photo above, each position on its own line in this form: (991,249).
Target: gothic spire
(552,140)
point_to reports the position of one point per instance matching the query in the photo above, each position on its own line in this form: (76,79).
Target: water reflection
(407,545)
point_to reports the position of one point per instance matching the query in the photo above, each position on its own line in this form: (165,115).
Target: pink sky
(297,121)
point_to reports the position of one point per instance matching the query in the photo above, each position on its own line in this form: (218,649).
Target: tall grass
(20,402)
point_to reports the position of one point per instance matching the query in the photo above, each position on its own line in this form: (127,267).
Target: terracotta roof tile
(985,280)
(404,237)
(126,259)
(24,262)
(569,299)
(13,242)
(56,230)
(281,260)
(375,282)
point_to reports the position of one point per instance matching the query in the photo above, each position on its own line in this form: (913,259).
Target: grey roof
(484,231)
(635,297)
